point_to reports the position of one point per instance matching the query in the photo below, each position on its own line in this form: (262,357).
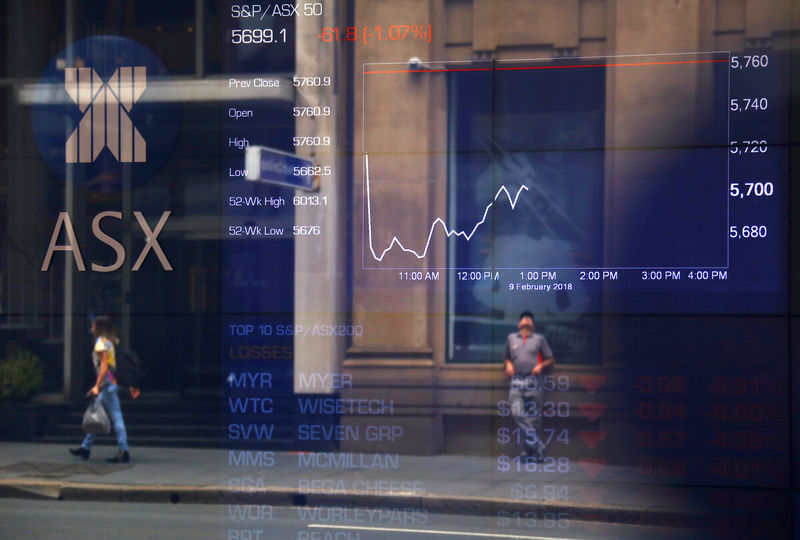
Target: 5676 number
(306,230)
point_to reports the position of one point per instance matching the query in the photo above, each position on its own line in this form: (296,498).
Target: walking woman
(105,388)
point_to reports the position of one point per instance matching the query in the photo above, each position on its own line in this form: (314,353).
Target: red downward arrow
(592,382)
(592,467)
(592,438)
(592,411)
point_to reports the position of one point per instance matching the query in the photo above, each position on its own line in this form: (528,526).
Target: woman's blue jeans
(109,398)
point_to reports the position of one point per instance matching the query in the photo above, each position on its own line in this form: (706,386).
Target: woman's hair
(103,327)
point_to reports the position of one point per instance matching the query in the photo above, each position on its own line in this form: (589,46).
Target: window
(526,169)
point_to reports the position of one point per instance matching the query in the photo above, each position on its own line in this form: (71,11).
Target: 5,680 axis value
(747,231)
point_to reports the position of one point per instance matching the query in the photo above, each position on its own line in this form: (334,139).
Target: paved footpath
(444,483)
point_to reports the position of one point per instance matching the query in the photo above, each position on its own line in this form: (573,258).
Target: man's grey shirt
(524,353)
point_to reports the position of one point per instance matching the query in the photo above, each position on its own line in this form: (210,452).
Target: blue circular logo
(103,108)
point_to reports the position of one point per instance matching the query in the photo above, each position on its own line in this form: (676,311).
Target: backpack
(128,371)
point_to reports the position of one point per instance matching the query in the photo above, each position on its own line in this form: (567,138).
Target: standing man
(527,357)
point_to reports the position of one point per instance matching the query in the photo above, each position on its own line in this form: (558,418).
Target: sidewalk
(442,484)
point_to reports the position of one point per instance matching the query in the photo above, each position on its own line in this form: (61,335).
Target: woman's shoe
(122,457)
(80,452)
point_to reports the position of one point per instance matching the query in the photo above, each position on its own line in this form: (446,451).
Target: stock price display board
(635,201)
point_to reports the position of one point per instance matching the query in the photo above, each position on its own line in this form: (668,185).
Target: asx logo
(106,122)
(105,114)
(151,236)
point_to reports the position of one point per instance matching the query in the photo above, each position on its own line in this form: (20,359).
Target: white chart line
(437,221)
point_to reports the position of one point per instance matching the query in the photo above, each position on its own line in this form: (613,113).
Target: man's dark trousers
(527,398)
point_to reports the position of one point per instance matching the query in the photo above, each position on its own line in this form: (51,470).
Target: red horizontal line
(544,67)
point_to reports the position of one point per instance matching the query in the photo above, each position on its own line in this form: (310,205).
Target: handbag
(95,419)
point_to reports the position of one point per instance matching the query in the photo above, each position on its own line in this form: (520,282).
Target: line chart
(438,221)
(603,190)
